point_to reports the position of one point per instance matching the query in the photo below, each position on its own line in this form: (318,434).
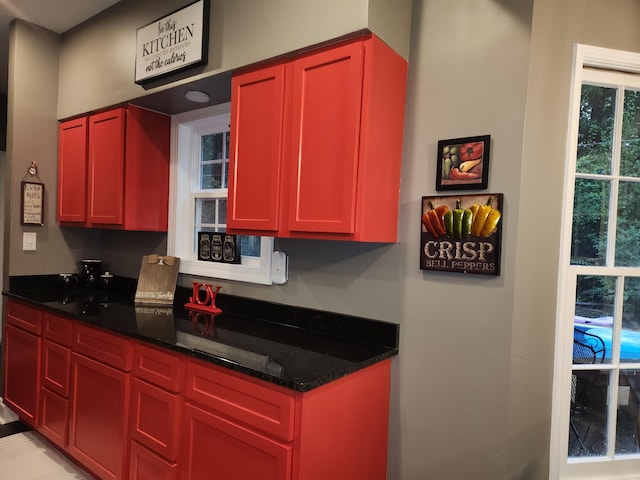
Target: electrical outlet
(29,241)
(279,268)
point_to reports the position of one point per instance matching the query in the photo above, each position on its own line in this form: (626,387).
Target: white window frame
(561,467)
(186,131)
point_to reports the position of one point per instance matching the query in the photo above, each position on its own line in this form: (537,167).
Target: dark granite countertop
(295,347)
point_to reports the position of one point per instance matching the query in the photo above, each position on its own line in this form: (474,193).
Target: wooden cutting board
(157,280)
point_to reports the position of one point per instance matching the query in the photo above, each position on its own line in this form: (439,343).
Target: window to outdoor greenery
(606,233)
(199,178)
(599,402)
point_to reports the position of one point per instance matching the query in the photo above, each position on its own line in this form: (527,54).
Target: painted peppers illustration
(485,219)
(459,161)
(457,222)
(433,220)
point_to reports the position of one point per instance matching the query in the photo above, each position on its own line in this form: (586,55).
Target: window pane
(593,319)
(250,246)
(630,335)
(628,392)
(222,211)
(595,134)
(628,226)
(213,160)
(211,176)
(208,211)
(630,145)
(212,146)
(588,419)
(595,295)
(590,220)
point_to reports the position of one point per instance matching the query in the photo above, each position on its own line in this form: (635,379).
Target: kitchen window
(596,409)
(198,197)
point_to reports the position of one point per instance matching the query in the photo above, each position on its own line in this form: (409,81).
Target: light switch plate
(279,268)
(29,241)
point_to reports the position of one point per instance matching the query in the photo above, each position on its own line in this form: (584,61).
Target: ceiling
(56,15)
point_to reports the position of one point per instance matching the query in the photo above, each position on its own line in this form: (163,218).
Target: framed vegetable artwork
(463,163)
(461,233)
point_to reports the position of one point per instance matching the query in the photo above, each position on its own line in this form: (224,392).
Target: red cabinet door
(148,144)
(255,161)
(72,170)
(146,465)
(106,168)
(56,365)
(215,447)
(54,418)
(327,98)
(155,419)
(21,381)
(99,417)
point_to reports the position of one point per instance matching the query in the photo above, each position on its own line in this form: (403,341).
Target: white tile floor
(6,415)
(27,456)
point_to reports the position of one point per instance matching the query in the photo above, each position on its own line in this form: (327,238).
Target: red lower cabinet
(215,444)
(146,465)
(21,382)
(99,417)
(180,418)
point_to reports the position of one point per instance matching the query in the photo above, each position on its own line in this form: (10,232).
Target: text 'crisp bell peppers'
(485,219)
(457,222)
(433,220)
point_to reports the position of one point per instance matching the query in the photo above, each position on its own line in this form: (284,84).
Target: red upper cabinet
(327,100)
(106,167)
(120,158)
(256,137)
(72,171)
(317,145)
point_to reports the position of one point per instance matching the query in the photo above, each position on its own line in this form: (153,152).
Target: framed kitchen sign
(463,163)
(461,233)
(172,43)
(32,203)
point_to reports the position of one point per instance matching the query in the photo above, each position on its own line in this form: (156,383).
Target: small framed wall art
(32,203)
(463,163)
(461,233)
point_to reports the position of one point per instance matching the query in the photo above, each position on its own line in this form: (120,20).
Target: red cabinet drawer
(218,448)
(158,367)
(156,416)
(24,317)
(54,418)
(58,329)
(146,465)
(105,347)
(260,406)
(56,368)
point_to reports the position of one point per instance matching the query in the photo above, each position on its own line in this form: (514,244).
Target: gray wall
(95,73)
(32,135)
(471,388)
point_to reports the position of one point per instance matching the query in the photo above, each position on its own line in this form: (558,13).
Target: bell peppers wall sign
(463,163)
(174,42)
(461,233)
